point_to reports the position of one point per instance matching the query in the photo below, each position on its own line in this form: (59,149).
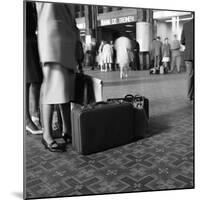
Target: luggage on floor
(162,69)
(100,126)
(154,71)
(140,123)
(140,107)
(139,102)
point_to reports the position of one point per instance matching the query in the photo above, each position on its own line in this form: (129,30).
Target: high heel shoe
(53,146)
(33,129)
(67,137)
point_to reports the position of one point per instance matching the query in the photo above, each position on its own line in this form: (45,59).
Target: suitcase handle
(94,105)
(99,103)
(129,98)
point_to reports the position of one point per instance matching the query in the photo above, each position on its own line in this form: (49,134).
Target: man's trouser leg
(190,79)
(178,63)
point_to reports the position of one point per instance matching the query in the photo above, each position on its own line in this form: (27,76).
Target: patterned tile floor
(164,160)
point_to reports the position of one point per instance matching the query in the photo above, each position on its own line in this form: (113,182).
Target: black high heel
(51,146)
(67,138)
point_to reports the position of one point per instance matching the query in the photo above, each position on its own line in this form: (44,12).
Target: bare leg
(47,111)
(30,126)
(66,118)
(35,104)
(110,66)
(126,71)
(34,97)
(121,71)
(106,67)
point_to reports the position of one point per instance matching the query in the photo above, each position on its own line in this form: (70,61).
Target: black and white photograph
(108,99)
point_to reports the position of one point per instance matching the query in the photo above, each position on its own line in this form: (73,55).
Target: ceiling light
(129,25)
(183,19)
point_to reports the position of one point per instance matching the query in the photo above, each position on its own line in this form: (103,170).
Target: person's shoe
(67,137)
(36,121)
(53,146)
(33,129)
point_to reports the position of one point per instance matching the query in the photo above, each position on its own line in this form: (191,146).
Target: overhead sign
(120,20)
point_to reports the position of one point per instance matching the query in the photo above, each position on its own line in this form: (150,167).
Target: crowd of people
(166,55)
(121,54)
(52,57)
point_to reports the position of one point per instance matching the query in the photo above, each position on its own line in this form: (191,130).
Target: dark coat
(187,39)
(157,47)
(33,69)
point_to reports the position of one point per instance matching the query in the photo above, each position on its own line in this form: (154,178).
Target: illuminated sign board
(111,21)
(120,20)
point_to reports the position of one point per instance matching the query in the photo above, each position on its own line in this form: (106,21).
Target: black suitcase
(101,126)
(138,101)
(140,107)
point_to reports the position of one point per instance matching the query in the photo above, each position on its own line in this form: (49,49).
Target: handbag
(87,89)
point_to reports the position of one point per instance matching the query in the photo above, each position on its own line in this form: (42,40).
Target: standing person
(187,39)
(33,70)
(136,52)
(123,47)
(176,54)
(157,50)
(93,53)
(107,54)
(100,57)
(113,55)
(152,53)
(166,54)
(57,40)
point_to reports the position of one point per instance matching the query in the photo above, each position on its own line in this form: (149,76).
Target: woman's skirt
(107,58)
(58,84)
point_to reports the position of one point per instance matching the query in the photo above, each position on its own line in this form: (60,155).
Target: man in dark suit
(157,49)
(136,52)
(187,39)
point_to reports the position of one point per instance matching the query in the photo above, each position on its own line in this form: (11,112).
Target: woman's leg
(126,71)
(47,111)
(121,71)
(35,97)
(30,126)
(110,66)
(66,118)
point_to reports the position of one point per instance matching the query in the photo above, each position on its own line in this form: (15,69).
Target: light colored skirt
(107,58)
(58,84)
